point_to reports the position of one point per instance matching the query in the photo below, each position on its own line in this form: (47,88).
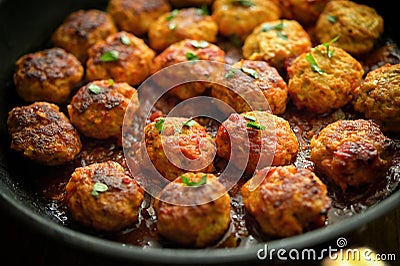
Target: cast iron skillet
(26,27)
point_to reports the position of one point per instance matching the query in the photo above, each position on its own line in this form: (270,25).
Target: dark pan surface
(25,27)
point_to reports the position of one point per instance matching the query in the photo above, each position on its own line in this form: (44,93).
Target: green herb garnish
(160,125)
(172,14)
(250,118)
(191,56)
(97,188)
(254,125)
(111,82)
(282,36)
(250,72)
(189,183)
(313,64)
(246,3)
(125,40)
(202,11)
(278,28)
(332,19)
(199,44)
(95,89)
(172,26)
(230,74)
(190,122)
(110,56)
(327,45)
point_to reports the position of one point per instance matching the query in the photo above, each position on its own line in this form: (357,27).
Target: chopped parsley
(278,28)
(95,89)
(250,72)
(230,74)
(199,44)
(97,188)
(189,183)
(160,125)
(172,14)
(190,122)
(332,19)
(254,125)
(202,11)
(250,118)
(191,56)
(327,45)
(313,64)
(110,56)
(245,3)
(111,82)
(172,26)
(125,40)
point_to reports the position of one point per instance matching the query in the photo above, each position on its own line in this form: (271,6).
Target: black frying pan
(26,26)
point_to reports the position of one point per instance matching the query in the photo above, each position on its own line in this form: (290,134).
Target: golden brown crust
(190,3)
(49,75)
(42,133)
(304,11)
(81,29)
(288,202)
(352,153)
(111,210)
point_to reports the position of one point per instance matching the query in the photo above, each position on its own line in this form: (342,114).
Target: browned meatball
(352,153)
(304,11)
(239,18)
(359,26)
(277,42)
(177,137)
(180,24)
(264,77)
(122,57)
(189,3)
(287,202)
(184,51)
(271,140)
(98,108)
(101,196)
(378,97)
(323,80)
(199,225)
(81,29)
(136,16)
(43,134)
(49,75)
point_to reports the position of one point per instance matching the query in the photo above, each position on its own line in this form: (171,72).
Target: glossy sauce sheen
(49,183)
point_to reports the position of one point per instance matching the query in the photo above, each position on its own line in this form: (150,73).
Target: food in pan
(81,29)
(42,133)
(136,16)
(352,153)
(323,79)
(122,57)
(180,24)
(378,97)
(289,200)
(48,75)
(196,226)
(101,196)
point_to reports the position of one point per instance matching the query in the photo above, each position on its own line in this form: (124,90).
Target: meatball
(184,51)
(359,26)
(102,197)
(81,29)
(287,202)
(378,97)
(277,42)
(352,153)
(98,108)
(264,77)
(176,145)
(271,141)
(43,134)
(122,57)
(190,3)
(239,18)
(136,16)
(180,24)
(197,225)
(49,75)
(304,11)
(323,79)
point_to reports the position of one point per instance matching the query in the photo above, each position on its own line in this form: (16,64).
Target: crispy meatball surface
(180,24)
(277,42)
(179,136)
(241,17)
(323,80)
(359,26)
(49,75)
(81,29)
(101,196)
(189,3)
(274,143)
(195,226)
(265,77)
(288,201)
(122,57)
(184,51)
(304,11)
(43,134)
(352,153)
(98,108)
(378,97)
(136,16)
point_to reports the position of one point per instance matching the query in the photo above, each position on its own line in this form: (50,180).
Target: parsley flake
(189,183)
(172,15)
(253,119)
(332,19)
(160,125)
(254,125)
(190,122)
(110,56)
(191,56)
(97,188)
(111,82)
(313,64)
(250,72)
(202,11)
(245,3)
(95,89)
(278,28)
(199,44)
(125,40)
(327,46)
(172,26)
(230,74)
